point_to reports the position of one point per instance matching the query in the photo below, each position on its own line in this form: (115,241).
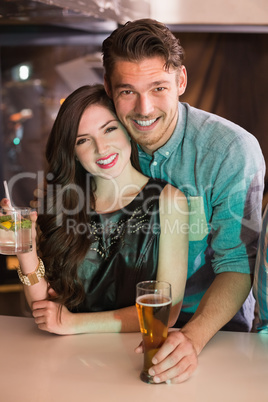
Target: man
(217,164)
(260,283)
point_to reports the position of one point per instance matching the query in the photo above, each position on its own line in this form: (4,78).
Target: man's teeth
(107,161)
(145,123)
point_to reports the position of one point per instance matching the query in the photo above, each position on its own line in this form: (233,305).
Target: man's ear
(182,80)
(107,86)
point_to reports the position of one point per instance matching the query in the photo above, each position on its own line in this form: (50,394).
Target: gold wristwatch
(33,277)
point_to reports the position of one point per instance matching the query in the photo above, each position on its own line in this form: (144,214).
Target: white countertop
(36,366)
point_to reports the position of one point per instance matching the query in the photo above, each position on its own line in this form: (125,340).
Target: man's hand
(175,361)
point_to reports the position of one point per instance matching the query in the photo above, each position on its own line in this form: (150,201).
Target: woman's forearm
(122,320)
(52,317)
(28,264)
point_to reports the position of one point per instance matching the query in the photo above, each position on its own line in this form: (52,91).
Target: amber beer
(153,311)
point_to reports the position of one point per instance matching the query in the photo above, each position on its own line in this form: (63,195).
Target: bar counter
(36,366)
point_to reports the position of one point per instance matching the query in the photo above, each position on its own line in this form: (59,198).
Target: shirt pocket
(198,227)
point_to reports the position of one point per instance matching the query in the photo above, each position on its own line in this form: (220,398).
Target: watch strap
(33,277)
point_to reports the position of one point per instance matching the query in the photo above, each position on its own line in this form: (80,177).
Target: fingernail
(154,360)
(156,379)
(168,382)
(151,372)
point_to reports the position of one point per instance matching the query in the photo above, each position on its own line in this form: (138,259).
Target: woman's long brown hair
(62,249)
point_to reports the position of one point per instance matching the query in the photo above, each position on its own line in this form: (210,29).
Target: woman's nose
(101,146)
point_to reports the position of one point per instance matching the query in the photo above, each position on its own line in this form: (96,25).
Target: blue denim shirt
(220,168)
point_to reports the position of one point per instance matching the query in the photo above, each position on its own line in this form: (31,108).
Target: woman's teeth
(107,161)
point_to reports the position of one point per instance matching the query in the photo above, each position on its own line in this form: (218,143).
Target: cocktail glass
(15,231)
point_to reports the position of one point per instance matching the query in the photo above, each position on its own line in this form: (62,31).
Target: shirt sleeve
(237,204)
(260,284)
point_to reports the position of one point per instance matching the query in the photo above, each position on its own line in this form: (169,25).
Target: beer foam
(157,302)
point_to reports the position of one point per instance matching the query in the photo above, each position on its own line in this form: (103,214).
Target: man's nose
(144,105)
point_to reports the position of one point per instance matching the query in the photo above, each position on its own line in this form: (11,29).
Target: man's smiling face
(146,96)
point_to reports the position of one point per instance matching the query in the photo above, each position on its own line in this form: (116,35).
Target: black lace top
(123,253)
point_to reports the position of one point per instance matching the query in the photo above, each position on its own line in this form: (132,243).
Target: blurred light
(62,100)
(21,72)
(16,141)
(24,72)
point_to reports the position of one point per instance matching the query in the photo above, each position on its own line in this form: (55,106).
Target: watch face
(33,278)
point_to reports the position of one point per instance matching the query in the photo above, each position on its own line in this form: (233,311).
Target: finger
(184,376)
(5,204)
(40,320)
(39,305)
(139,349)
(38,193)
(34,204)
(170,345)
(33,216)
(39,313)
(177,373)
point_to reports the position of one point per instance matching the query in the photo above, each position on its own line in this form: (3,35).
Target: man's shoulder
(214,132)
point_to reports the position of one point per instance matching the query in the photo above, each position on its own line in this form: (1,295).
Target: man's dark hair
(140,39)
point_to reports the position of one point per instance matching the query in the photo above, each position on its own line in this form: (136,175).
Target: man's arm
(177,359)
(260,283)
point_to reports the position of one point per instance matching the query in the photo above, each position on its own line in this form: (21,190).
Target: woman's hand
(52,317)
(6,205)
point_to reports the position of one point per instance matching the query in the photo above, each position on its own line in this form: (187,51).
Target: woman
(105,228)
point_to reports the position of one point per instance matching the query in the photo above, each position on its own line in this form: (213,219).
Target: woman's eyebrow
(101,127)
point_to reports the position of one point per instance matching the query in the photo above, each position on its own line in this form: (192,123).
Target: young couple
(215,163)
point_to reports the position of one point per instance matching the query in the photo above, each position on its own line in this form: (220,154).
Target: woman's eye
(82,141)
(110,129)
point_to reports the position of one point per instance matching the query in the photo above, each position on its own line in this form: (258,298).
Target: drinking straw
(13,210)
(7,193)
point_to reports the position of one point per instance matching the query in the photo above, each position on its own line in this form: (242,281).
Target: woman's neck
(115,193)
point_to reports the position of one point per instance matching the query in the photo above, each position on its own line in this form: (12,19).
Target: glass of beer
(153,302)
(15,231)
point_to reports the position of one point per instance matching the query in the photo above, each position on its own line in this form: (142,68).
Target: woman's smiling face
(102,144)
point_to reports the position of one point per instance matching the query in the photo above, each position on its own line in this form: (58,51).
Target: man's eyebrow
(122,85)
(151,84)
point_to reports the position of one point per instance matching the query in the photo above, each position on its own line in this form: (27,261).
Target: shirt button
(154,163)
(167,153)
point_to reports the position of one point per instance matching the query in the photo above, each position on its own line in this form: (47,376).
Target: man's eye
(159,89)
(127,92)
